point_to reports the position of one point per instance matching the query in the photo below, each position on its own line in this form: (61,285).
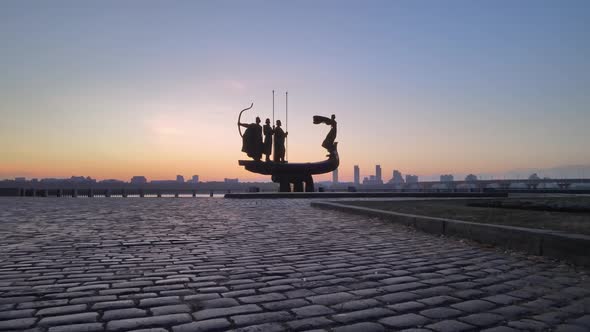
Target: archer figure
(252,139)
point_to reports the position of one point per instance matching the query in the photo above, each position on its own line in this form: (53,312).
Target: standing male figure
(279,140)
(268,132)
(252,139)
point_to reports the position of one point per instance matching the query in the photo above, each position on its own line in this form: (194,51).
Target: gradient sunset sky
(113,89)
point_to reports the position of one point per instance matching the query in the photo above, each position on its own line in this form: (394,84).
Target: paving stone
(123,313)
(360,315)
(262,298)
(13,314)
(583,321)
(19,323)
(155,321)
(219,312)
(258,318)
(109,305)
(440,313)
(528,324)
(93,299)
(482,319)
(361,271)
(87,327)
(267,327)
(159,301)
(329,299)
(309,323)
(219,303)
(356,305)
(201,297)
(16,299)
(405,320)
(449,326)
(407,306)
(501,299)
(86,317)
(438,300)
(365,327)
(297,293)
(42,304)
(511,311)
(170,309)
(570,328)
(397,297)
(500,329)
(312,310)
(285,304)
(62,310)
(473,306)
(217,324)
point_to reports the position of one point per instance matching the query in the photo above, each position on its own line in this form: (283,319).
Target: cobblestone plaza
(176,265)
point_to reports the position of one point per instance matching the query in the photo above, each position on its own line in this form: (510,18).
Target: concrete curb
(574,248)
(360,195)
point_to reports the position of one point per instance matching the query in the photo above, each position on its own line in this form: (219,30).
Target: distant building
(81,179)
(180,179)
(50,180)
(226,180)
(195,179)
(396,177)
(471,178)
(335,176)
(20,179)
(357,175)
(112,181)
(139,179)
(411,178)
(374,179)
(534,176)
(447,178)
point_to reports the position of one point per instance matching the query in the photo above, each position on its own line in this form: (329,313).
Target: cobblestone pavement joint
(262,265)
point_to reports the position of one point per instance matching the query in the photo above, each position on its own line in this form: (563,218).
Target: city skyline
(573,171)
(98,89)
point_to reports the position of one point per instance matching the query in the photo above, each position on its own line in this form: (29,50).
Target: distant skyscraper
(195,179)
(411,178)
(357,175)
(180,178)
(471,178)
(378,178)
(335,176)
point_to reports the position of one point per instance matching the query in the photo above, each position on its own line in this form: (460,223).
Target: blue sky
(427,87)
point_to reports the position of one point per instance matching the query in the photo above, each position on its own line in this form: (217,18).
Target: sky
(112,89)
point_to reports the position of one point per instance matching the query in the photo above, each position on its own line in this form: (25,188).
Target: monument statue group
(259,141)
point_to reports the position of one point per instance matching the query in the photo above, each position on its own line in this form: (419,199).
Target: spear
(273,107)
(287,123)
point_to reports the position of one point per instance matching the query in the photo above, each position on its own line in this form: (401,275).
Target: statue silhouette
(268,132)
(279,143)
(328,142)
(252,139)
(296,177)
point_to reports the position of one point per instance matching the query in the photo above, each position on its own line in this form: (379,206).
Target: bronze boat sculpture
(297,174)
